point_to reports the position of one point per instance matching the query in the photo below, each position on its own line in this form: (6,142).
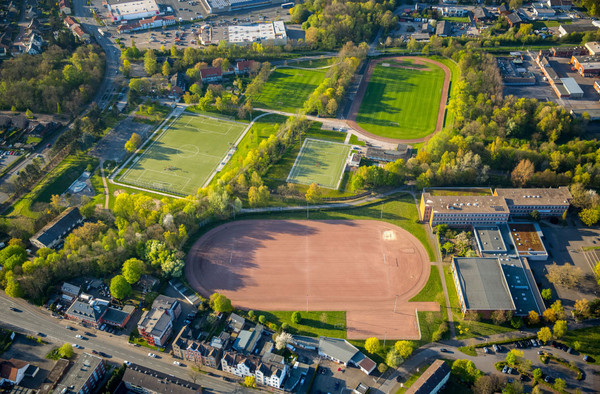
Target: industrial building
(587,66)
(221,6)
(118,12)
(265,33)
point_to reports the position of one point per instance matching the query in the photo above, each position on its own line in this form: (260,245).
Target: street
(31,321)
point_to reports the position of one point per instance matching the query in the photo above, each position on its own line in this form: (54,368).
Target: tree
(132,270)
(150,64)
(282,340)
(372,345)
(537,374)
(513,357)
(560,328)
(313,194)
(547,294)
(466,370)
(535,215)
(250,381)
(514,387)
(533,318)
(219,303)
(558,309)
(515,4)
(262,319)
(296,317)
(487,384)
(522,173)
(119,287)
(166,69)
(66,350)
(544,334)
(133,143)
(566,275)
(582,308)
(381,367)
(550,315)
(589,216)
(499,317)
(28,114)
(393,358)
(560,385)
(404,348)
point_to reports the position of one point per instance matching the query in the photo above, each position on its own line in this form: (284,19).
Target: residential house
(156,325)
(342,352)
(236,322)
(65,7)
(69,22)
(87,312)
(245,66)
(443,29)
(55,231)
(265,373)
(433,379)
(482,14)
(178,84)
(247,340)
(211,74)
(84,376)
(118,317)
(70,291)
(503,9)
(560,4)
(12,370)
(80,33)
(542,11)
(514,19)
(187,348)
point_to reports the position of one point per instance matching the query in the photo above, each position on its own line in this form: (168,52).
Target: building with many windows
(469,210)
(84,376)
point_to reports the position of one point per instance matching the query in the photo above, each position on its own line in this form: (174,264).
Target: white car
(127,363)
(176,363)
(76,346)
(152,355)
(78,336)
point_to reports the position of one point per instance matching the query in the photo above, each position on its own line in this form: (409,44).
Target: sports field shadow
(160,151)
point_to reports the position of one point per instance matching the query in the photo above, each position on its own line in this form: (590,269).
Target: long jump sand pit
(369,269)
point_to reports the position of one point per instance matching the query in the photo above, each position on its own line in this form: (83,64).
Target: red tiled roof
(211,72)
(10,368)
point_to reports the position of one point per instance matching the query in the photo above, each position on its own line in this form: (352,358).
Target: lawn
(402,103)
(457,19)
(320,162)
(588,338)
(287,89)
(312,63)
(313,323)
(432,288)
(355,141)
(184,156)
(455,76)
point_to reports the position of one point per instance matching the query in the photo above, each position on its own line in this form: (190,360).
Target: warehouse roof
(466,204)
(535,196)
(483,284)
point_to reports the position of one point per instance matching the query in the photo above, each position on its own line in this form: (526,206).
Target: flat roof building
(547,201)
(463,210)
(593,47)
(140,379)
(139,9)
(84,375)
(572,87)
(481,285)
(272,33)
(586,65)
(489,240)
(582,27)
(221,6)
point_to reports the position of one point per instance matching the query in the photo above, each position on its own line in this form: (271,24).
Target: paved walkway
(106,192)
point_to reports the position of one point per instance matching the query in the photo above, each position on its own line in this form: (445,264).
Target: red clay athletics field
(363,267)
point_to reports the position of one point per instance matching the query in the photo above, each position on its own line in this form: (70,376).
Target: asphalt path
(31,320)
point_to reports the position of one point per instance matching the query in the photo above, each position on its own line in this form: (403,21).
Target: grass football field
(184,156)
(287,89)
(400,102)
(320,162)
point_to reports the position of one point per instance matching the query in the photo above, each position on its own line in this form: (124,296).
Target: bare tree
(567,275)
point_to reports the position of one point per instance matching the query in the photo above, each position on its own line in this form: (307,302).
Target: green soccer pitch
(288,88)
(320,162)
(400,102)
(185,155)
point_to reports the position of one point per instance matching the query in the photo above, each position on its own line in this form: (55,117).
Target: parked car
(586,358)
(176,363)
(78,336)
(94,352)
(547,379)
(510,371)
(76,346)
(14,309)
(444,350)
(505,369)
(486,350)
(152,355)
(127,363)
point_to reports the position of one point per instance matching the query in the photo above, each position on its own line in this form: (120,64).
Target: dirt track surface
(364,267)
(362,89)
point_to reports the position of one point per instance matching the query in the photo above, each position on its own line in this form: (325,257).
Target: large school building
(465,211)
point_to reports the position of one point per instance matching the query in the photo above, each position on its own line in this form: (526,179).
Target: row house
(269,374)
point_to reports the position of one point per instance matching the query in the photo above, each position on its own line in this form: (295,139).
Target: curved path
(362,89)
(368,268)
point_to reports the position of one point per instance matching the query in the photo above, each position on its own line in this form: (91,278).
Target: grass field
(184,156)
(320,162)
(287,89)
(313,323)
(400,102)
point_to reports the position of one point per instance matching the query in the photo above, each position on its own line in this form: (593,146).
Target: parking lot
(188,11)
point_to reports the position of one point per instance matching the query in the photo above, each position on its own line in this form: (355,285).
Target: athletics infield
(370,269)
